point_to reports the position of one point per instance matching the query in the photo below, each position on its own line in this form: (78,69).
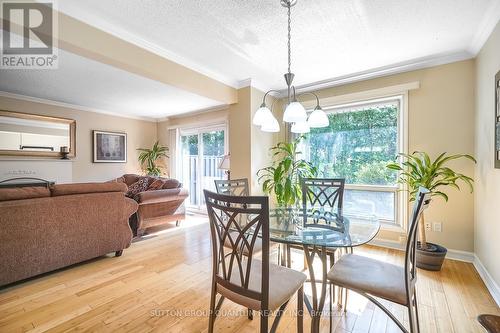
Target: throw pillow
(171,183)
(157,184)
(139,186)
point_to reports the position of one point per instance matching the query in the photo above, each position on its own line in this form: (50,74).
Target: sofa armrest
(161,195)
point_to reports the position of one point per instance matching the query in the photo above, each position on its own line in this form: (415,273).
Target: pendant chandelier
(295,113)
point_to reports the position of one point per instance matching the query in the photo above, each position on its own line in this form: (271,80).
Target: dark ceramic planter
(431,260)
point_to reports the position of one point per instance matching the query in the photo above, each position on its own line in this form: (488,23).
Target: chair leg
(177,223)
(415,327)
(118,253)
(212,315)
(250,314)
(300,310)
(264,321)
(278,317)
(345,304)
(330,315)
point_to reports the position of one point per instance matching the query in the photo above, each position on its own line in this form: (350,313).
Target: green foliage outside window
(357,146)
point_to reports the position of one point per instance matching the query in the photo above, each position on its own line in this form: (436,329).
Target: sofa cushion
(19,193)
(83,188)
(157,184)
(139,186)
(171,183)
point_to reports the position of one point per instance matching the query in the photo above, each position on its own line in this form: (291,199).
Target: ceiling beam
(85,40)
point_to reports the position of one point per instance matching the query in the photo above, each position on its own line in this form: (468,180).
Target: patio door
(201,151)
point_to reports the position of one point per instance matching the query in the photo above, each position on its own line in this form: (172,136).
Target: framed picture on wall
(110,147)
(497,120)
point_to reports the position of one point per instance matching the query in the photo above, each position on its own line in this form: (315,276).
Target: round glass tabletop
(293,226)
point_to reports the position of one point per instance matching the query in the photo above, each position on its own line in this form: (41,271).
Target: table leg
(318,303)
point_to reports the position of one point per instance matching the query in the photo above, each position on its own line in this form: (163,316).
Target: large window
(361,140)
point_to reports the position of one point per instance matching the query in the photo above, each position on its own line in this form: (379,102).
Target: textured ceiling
(93,85)
(235,40)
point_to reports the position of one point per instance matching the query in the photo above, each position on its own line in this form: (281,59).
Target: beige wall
(487,195)
(441,119)
(139,134)
(249,147)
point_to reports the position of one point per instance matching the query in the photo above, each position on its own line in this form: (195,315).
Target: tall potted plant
(282,178)
(418,170)
(149,157)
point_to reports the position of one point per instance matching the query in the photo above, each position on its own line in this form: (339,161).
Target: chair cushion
(371,276)
(283,283)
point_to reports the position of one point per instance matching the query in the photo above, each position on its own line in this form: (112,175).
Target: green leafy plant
(418,170)
(282,178)
(148,158)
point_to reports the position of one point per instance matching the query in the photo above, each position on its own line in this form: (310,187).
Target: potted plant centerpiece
(149,157)
(418,170)
(282,178)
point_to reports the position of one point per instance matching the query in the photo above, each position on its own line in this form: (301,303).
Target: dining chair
(373,278)
(256,284)
(237,187)
(322,204)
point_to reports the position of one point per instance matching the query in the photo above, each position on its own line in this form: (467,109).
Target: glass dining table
(319,234)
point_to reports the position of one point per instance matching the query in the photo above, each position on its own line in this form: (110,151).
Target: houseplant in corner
(282,178)
(418,170)
(149,157)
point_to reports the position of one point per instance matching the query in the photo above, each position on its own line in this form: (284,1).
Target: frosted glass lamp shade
(262,116)
(271,125)
(318,118)
(295,113)
(300,127)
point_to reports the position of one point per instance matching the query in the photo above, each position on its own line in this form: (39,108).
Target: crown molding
(407,66)
(487,25)
(71,106)
(127,36)
(254,84)
(194,113)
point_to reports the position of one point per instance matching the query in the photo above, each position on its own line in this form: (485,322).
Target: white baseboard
(488,280)
(452,254)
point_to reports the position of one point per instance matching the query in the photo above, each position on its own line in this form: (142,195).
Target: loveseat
(43,229)
(161,200)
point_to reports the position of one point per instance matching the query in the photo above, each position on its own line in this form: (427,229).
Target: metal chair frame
(421,203)
(224,212)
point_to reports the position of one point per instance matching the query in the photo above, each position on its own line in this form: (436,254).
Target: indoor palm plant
(418,170)
(149,157)
(282,178)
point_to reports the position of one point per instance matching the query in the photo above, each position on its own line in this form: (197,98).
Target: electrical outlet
(428,226)
(437,226)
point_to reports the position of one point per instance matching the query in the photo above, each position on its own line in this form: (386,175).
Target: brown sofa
(157,207)
(44,229)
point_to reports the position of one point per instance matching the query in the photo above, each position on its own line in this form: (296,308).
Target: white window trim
(400,92)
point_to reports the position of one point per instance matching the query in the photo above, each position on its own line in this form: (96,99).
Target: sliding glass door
(200,154)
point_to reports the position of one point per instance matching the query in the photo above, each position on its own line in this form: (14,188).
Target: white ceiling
(235,40)
(232,41)
(83,82)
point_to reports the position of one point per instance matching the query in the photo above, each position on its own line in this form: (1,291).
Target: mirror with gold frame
(23,134)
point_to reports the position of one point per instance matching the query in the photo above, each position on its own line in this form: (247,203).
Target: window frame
(400,190)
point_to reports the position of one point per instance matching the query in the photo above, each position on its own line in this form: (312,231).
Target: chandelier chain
(289,38)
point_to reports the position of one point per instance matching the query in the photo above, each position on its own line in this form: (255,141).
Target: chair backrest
(422,201)
(239,220)
(322,201)
(238,187)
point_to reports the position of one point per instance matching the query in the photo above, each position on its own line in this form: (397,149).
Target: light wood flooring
(162,284)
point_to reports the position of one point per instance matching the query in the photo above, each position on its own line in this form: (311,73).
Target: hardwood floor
(162,284)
